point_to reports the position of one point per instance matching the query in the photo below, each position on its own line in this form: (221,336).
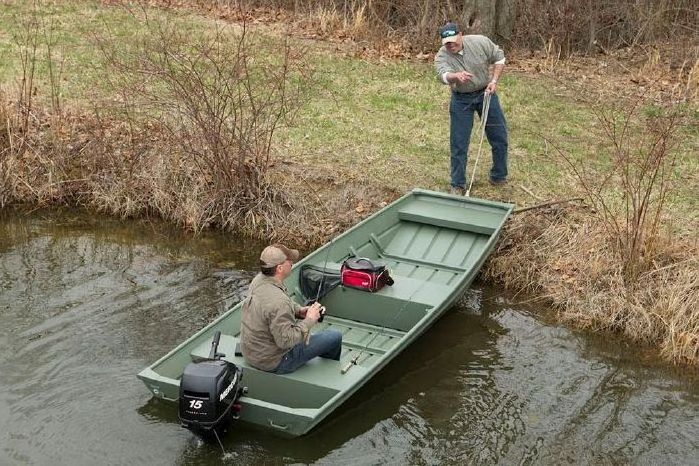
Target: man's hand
(301,313)
(460,77)
(313,312)
(491,88)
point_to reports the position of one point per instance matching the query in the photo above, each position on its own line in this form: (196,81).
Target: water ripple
(86,303)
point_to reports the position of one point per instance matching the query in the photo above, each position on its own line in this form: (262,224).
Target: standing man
(463,62)
(274,328)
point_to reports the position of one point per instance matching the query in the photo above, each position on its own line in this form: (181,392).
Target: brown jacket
(268,326)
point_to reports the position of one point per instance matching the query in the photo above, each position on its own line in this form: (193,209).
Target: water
(86,302)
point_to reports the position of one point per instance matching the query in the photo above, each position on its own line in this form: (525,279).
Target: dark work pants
(461,110)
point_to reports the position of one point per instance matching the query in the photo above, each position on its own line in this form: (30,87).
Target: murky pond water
(86,302)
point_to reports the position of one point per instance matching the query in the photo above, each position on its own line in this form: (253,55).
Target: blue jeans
(326,344)
(461,109)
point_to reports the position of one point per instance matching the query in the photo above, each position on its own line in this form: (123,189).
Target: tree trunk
(592,39)
(493,18)
(505,19)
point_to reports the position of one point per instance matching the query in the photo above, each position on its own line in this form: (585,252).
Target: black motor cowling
(209,392)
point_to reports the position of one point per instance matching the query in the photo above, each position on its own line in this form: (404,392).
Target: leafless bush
(630,196)
(414,22)
(567,26)
(597,25)
(34,44)
(407,24)
(616,266)
(220,96)
(27,42)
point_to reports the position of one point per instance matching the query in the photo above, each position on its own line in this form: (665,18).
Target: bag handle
(365,259)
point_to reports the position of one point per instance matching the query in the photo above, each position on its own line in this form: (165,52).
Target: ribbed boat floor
(362,344)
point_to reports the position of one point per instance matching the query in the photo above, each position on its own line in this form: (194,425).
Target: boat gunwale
(432,314)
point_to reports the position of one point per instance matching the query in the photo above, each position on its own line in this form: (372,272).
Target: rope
(484,120)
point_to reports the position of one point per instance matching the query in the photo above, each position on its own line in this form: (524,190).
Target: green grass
(376,121)
(75,28)
(373,122)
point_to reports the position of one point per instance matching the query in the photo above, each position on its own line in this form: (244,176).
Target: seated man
(272,339)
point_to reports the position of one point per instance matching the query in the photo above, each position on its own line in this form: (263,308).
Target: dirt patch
(323,203)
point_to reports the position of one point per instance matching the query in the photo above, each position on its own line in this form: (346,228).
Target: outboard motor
(209,392)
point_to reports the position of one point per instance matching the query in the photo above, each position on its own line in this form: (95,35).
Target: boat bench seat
(415,290)
(455,217)
(418,290)
(318,369)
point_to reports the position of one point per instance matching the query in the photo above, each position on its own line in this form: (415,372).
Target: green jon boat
(433,243)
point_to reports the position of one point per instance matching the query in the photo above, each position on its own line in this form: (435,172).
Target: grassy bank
(365,132)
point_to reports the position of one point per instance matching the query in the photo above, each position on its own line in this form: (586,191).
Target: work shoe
(497,182)
(457,191)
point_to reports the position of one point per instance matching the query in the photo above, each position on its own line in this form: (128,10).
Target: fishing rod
(325,264)
(320,287)
(322,279)
(355,359)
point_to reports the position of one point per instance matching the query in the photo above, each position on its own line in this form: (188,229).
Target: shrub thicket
(570,25)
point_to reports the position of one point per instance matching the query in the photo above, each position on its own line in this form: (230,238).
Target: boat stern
(162,387)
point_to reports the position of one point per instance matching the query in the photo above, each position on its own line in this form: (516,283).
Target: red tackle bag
(364,274)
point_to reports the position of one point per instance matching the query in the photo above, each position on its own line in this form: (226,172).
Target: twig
(10,134)
(34,191)
(691,259)
(55,183)
(528,191)
(546,204)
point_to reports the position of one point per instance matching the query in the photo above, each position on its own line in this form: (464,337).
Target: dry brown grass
(565,256)
(112,166)
(562,254)
(26,171)
(133,167)
(198,155)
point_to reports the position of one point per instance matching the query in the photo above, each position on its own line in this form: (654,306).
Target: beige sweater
(479,53)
